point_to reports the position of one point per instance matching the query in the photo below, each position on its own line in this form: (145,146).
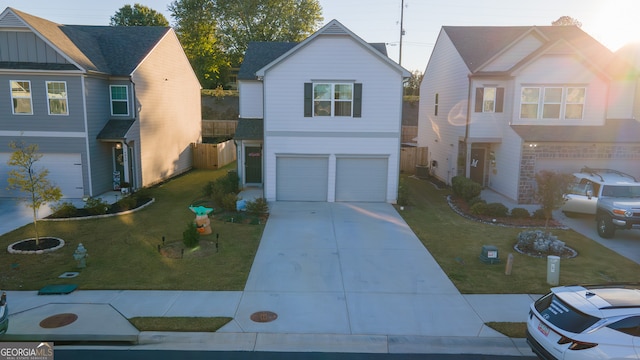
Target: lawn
(123,250)
(456,244)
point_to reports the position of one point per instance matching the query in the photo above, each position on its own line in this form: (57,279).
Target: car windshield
(562,315)
(621,191)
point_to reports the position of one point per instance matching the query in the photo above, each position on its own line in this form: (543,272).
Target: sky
(612,22)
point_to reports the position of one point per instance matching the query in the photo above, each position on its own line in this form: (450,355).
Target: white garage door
(301,178)
(65,171)
(361,179)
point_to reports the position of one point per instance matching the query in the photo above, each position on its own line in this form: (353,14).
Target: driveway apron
(349,268)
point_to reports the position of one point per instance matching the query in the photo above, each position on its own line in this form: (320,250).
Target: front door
(476,166)
(253,164)
(119,163)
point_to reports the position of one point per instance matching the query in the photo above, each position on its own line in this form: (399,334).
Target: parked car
(612,196)
(586,322)
(4,314)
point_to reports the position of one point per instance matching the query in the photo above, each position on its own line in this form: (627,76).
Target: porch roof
(249,129)
(115,130)
(613,131)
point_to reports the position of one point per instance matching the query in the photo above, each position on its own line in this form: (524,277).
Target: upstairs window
(119,100)
(435,105)
(489,99)
(21,96)
(332,100)
(552,102)
(57,97)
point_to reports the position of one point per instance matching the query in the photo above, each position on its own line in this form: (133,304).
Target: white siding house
(499,104)
(330,123)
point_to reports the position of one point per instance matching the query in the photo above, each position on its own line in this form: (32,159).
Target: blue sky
(612,22)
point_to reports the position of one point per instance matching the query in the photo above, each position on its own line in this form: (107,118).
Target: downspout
(86,136)
(125,151)
(467,146)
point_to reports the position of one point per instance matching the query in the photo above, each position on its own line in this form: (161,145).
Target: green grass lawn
(456,243)
(123,250)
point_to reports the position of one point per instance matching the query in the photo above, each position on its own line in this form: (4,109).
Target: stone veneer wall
(530,155)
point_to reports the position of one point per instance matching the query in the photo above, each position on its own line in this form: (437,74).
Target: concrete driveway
(624,242)
(349,268)
(14,214)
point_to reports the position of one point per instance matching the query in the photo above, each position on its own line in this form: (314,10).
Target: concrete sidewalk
(102,318)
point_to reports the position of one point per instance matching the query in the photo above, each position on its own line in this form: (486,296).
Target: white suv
(586,322)
(613,196)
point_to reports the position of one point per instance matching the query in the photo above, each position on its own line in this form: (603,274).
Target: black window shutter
(479,99)
(308,99)
(499,99)
(357,100)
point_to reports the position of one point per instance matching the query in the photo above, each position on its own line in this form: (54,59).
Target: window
(333,100)
(119,100)
(552,102)
(575,103)
(435,111)
(489,99)
(529,103)
(21,95)
(57,96)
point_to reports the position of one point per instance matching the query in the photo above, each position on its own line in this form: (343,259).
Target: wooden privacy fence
(411,156)
(409,133)
(213,128)
(213,156)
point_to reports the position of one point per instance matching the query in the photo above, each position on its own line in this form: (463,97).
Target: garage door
(65,171)
(301,178)
(361,179)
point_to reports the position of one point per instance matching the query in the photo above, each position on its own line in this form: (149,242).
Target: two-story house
(498,104)
(320,120)
(105,105)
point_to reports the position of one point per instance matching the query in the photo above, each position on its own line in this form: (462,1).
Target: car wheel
(606,229)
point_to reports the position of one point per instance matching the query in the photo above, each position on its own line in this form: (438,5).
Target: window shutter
(357,100)
(499,99)
(479,99)
(308,99)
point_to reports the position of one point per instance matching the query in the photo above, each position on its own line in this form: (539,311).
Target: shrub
(190,236)
(497,210)
(96,206)
(258,207)
(125,204)
(228,201)
(479,208)
(64,209)
(142,194)
(520,213)
(465,188)
(220,187)
(475,200)
(539,214)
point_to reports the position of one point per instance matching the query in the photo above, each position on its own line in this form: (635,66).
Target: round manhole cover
(58,320)
(264,316)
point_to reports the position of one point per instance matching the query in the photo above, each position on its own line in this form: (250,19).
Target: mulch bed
(112,209)
(30,245)
(462,208)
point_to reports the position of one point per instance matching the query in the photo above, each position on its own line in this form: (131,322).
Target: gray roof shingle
(115,50)
(477,44)
(249,129)
(613,131)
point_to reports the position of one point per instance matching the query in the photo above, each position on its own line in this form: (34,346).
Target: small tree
(31,180)
(549,193)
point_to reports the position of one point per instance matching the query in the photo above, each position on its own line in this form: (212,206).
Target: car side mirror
(589,194)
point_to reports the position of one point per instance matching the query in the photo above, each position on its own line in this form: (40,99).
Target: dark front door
(253,164)
(476,172)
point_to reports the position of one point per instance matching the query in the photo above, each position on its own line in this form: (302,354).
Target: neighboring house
(498,104)
(105,105)
(320,120)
